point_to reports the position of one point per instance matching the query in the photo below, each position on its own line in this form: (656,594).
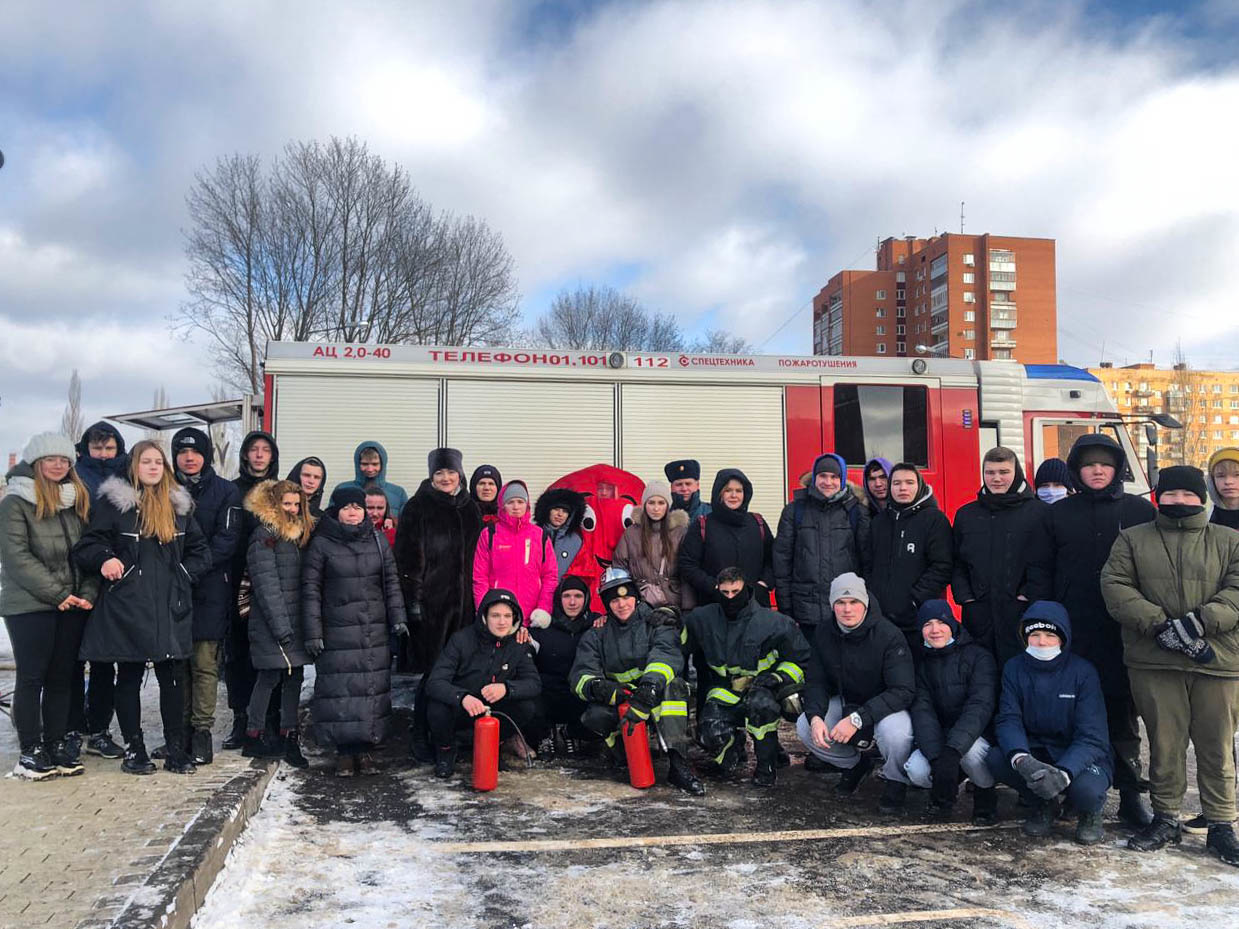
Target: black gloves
(400,630)
(771,680)
(1186,636)
(314,648)
(1044,780)
(646,696)
(600,690)
(944,770)
(665,616)
(634,716)
(414,613)
(285,640)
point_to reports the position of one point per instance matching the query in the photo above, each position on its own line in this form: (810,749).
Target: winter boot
(345,765)
(159,752)
(681,775)
(853,776)
(819,765)
(1133,810)
(236,736)
(1040,821)
(101,744)
(178,761)
(136,760)
(445,761)
(894,799)
(257,745)
(34,764)
(767,752)
(1089,830)
(764,774)
(784,759)
(420,750)
(201,748)
(1222,843)
(1164,830)
(366,765)
(984,806)
(65,760)
(292,750)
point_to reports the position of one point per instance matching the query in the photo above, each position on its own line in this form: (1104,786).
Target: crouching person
(635,658)
(860,685)
(756,659)
(1051,726)
(956,691)
(558,725)
(482,667)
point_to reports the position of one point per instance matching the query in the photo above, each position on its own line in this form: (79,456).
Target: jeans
(1086,792)
(290,697)
(171,677)
(972,764)
(45,646)
(893,733)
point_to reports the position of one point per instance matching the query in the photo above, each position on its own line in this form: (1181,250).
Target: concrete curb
(176,888)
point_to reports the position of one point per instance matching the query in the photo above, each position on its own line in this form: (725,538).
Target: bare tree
(222,437)
(1187,402)
(593,317)
(159,402)
(722,342)
(333,243)
(72,422)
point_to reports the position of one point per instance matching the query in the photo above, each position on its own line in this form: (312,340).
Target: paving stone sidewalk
(110,849)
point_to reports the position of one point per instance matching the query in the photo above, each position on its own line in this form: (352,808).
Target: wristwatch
(856,721)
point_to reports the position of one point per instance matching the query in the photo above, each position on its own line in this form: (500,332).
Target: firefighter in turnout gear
(635,658)
(756,659)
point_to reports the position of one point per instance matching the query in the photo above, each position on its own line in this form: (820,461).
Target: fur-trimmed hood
(570,500)
(676,519)
(124,496)
(262,503)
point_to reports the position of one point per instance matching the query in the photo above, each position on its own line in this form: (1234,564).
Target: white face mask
(1044,652)
(1051,494)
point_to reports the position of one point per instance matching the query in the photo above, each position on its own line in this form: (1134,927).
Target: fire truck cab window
(887,422)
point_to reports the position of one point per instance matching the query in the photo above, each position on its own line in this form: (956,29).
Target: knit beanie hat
(1223,454)
(828,464)
(1035,623)
(1052,471)
(939,610)
(1181,477)
(849,585)
(685,469)
(46,444)
(445,459)
(656,488)
(343,495)
(516,490)
(196,439)
(1099,454)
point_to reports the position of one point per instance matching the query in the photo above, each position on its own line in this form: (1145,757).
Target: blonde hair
(156,515)
(47,494)
(281,489)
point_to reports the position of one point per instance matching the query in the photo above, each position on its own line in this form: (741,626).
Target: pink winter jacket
(520,559)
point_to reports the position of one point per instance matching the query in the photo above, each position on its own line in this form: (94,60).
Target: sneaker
(73,743)
(894,799)
(1222,843)
(1197,825)
(1163,831)
(35,765)
(65,760)
(136,760)
(1040,821)
(101,745)
(201,748)
(1089,830)
(853,776)
(178,761)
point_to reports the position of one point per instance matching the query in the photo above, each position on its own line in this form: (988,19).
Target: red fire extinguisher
(637,751)
(485,752)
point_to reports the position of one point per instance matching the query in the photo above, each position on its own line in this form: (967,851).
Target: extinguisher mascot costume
(756,659)
(482,668)
(635,659)
(611,495)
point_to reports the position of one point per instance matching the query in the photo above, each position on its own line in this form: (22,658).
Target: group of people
(1082,609)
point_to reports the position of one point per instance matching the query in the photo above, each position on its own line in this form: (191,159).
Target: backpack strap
(761,525)
(490,535)
(701,527)
(798,514)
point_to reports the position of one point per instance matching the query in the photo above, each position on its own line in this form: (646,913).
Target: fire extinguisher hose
(494,712)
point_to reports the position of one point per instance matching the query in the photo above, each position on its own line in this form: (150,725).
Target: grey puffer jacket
(352,601)
(274,565)
(36,570)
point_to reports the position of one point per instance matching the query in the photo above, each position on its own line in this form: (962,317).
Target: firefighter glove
(771,680)
(646,696)
(665,616)
(634,716)
(600,690)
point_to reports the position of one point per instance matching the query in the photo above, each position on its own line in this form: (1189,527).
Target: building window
(900,330)
(1234,388)
(900,276)
(879,312)
(1217,420)
(879,330)
(901,347)
(1217,404)
(900,312)
(881,348)
(970,277)
(880,295)
(1217,388)
(970,353)
(969,297)
(1233,420)
(1002,354)
(900,293)
(887,421)
(970,334)
(970,316)
(1234,404)
(969,259)
(1217,435)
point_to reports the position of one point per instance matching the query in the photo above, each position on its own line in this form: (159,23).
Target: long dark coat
(726,539)
(274,565)
(217,510)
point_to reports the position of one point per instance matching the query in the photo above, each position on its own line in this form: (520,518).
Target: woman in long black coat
(435,540)
(146,544)
(351,604)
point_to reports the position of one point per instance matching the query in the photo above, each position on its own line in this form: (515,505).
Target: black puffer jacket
(147,615)
(274,565)
(870,666)
(757,639)
(352,601)
(627,652)
(217,510)
(474,658)
(557,643)
(818,540)
(435,541)
(1002,553)
(912,557)
(732,539)
(956,695)
(1083,528)
(245,482)
(316,498)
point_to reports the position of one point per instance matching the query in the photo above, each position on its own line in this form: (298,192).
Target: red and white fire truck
(537,414)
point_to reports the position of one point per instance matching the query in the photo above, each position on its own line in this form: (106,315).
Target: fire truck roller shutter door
(721,425)
(534,430)
(327,415)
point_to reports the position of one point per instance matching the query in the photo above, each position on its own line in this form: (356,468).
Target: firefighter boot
(681,775)
(767,752)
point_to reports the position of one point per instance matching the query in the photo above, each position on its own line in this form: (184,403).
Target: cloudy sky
(718,159)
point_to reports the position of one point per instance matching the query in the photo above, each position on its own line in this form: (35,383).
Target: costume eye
(626,516)
(589,520)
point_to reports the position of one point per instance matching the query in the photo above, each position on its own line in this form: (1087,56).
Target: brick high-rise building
(966,296)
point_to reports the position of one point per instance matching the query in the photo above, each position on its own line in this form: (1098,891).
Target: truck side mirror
(1150,464)
(1150,433)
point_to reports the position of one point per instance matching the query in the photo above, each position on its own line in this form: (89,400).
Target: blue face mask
(1044,652)
(945,644)
(1051,494)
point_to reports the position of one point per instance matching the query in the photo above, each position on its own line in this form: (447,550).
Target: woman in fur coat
(147,547)
(277,634)
(648,549)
